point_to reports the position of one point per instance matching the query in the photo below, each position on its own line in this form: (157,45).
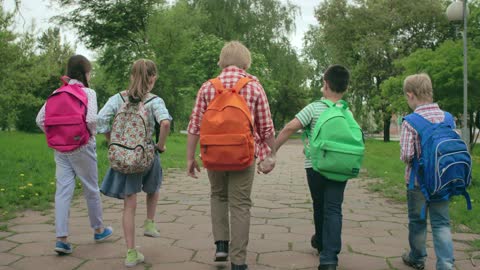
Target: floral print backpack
(131,149)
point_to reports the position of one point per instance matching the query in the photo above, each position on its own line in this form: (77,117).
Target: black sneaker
(314,243)
(407,260)
(327,267)
(221,254)
(239,267)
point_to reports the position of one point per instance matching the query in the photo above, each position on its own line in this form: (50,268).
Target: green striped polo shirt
(308,117)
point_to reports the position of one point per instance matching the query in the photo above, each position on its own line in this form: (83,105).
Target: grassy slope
(382,161)
(27,169)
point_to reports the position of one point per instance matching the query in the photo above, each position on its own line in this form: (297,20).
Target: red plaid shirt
(409,139)
(256,100)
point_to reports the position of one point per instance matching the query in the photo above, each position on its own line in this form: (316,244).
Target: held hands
(192,166)
(265,166)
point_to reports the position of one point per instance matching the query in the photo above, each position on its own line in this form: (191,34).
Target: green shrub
(28,107)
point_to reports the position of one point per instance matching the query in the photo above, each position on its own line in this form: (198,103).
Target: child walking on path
(419,94)
(327,195)
(81,161)
(126,186)
(230,140)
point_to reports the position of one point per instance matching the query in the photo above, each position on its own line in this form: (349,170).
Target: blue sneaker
(63,248)
(107,232)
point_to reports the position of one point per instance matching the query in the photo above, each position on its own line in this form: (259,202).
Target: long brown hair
(140,78)
(77,68)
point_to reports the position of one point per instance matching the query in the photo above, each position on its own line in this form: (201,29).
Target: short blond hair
(420,85)
(236,54)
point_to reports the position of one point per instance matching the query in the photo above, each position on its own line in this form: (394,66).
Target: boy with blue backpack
(438,166)
(333,154)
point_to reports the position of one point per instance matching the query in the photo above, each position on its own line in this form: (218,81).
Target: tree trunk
(474,138)
(386,128)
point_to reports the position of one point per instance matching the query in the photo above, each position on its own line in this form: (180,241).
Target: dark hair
(337,77)
(77,68)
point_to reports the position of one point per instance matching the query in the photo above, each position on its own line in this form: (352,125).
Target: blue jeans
(440,222)
(327,196)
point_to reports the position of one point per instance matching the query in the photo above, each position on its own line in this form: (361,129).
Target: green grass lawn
(382,160)
(27,169)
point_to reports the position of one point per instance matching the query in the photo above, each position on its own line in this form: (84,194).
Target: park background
(380,41)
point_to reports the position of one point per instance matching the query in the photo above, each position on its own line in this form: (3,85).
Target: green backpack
(336,143)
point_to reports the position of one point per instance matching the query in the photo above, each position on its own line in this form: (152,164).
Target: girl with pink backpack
(68,119)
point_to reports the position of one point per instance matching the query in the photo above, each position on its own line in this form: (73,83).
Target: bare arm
(271,143)
(164,131)
(292,127)
(192,165)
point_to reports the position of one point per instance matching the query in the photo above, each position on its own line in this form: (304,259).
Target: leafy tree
(102,23)
(9,52)
(258,23)
(41,66)
(185,39)
(263,26)
(445,67)
(118,30)
(368,36)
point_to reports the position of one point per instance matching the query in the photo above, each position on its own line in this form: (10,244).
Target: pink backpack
(65,117)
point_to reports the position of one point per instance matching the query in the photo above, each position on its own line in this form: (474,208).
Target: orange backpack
(226,131)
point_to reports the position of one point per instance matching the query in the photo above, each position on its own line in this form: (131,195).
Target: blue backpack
(444,167)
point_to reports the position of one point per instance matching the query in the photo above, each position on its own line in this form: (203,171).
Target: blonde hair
(235,53)
(420,85)
(140,78)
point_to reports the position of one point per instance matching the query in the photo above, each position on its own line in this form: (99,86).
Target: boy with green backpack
(333,154)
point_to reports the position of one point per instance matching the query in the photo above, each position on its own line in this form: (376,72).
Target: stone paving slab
(375,230)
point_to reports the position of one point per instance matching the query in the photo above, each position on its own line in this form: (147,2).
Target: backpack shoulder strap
(152,97)
(327,102)
(121,96)
(241,83)
(156,125)
(217,84)
(448,120)
(418,122)
(65,79)
(330,103)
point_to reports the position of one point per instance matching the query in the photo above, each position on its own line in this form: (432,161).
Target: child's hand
(265,166)
(192,166)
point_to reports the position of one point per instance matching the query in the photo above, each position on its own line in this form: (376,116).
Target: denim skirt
(118,185)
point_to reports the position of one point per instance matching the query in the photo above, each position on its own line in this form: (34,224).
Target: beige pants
(231,190)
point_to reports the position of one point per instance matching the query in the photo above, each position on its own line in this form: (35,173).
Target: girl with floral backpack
(135,165)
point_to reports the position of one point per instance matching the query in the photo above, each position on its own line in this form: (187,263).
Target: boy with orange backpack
(232,120)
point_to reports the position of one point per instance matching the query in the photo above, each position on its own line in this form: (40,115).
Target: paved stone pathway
(374,234)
